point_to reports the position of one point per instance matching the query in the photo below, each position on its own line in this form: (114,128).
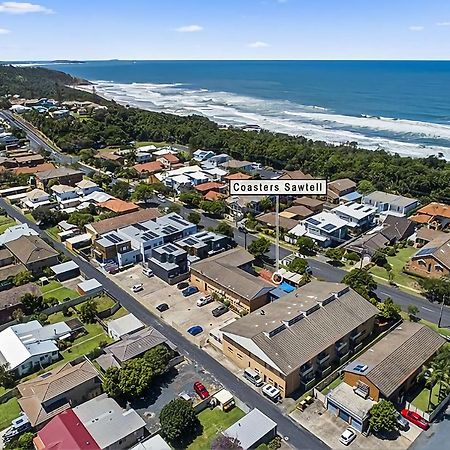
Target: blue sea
(400,106)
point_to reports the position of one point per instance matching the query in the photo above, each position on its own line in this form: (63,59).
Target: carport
(66,271)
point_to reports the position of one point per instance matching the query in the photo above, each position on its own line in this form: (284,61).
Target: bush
(352,256)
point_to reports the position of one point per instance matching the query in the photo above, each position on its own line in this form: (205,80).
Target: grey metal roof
(251,428)
(64,267)
(393,199)
(393,359)
(300,325)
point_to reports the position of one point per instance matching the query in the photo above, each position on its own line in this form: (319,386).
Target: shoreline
(314,123)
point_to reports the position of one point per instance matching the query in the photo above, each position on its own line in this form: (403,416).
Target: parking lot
(183,312)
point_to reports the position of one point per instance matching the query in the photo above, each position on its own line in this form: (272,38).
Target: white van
(252,376)
(271,392)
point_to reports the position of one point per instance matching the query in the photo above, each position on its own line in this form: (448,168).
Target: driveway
(180,379)
(183,312)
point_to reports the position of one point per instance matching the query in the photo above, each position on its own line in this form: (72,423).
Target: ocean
(400,106)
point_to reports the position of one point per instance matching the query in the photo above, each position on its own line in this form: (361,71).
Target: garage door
(332,408)
(344,416)
(357,425)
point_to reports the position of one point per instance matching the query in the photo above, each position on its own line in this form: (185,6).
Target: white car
(202,301)
(147,272)
(348,436)
(137,287)
(271,392)
(161,197)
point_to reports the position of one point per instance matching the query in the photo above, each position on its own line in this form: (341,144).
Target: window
(230,349)
(239,355)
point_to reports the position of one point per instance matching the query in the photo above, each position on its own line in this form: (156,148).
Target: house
(168,160)
(301,336)
(170,263)
(65,386)
(295,175)
(434,215)
(397,229)
(368,244)
(78,242)
(156,442)
(213,196)
(237,176)
(241,205)
(340,188)
(214,186)
(86,187)
(66,196)
(390,204)
(390,367)
(122,326)
(297,212)
(286,221)
(149,168)
(236,165)
(136,344)
(34,253)
(99,423)
(66,270)
(6,257)
(325,228)
(15,232)
(29,346)
(119,206)
(11,299)
(90,286)
(202,155)
(216,160)
(203,244)
(36,198)
(358,217)
(312,204)
(110,156)
(96,229)
(253,430)
(61,175)
(425,235)
(432,260)
(31,170)
(231,276)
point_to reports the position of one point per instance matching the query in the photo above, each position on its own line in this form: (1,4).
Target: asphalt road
(298,436)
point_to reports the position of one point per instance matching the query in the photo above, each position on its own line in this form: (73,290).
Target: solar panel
(150,235)
(114,238)
(313,221)
(140,227)
(170,248)
(178,220)
(425,251)
(170,229)
(329,227)
(190,241)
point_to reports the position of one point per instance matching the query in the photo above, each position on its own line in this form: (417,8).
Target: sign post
(275,188)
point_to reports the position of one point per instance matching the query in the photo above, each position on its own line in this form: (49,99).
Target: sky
(224,29)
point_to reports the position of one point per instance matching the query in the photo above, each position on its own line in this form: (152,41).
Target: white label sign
(278,187)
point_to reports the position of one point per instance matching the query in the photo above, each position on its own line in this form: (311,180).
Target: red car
(415,419)
(201,390)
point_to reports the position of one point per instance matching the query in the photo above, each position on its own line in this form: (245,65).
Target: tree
(143,192)
(306,246)
(389,310)
(222,442)
(298,265)
(335,254)
(18,315)
(136,376)
(22,278)
(379,258)
(32,303)
(216,208)
(47,217)
(111,382)
(365,187)
(190,198)
(225,229)
(158,358)
(436,290)
(6,376)
(121,190)
(23,442)
(413,311)
(178,421)
(265,204)
(361,281)
(88,311)
(173,208)
(80,219)
(259,247)
(383,417)
(194,217)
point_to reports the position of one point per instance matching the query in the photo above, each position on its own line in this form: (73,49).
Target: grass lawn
(213,422)
(53,232)
(156,144)
(119,313)
(422,398)
(29,217)
(104,302)
(8,411)
(398,262)
(332,385)
(55,289)
(6,222)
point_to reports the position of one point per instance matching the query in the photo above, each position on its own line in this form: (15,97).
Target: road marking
(426,309)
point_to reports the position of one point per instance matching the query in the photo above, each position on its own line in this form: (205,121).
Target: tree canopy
(383,417)
(361,281)
(259,247)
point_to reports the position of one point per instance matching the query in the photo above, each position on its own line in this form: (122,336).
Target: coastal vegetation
(426,178)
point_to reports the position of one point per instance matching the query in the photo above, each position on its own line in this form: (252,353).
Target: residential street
(299,437)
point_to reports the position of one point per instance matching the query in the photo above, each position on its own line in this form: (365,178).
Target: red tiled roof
(38,168)
(214,195)
(119,206)
(238,176)
(170,157)
(209,186)
(435,209)
(65,431)
(151,167)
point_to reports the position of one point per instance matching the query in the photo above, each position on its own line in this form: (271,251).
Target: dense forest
(427,178)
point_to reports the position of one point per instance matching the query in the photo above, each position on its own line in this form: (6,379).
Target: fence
(429,416)
(8,395)
(109,311)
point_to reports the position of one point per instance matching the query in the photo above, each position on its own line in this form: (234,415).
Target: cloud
(23,8)
(416,28)
(189,29)
(4,31)
(258,44)
(443,24)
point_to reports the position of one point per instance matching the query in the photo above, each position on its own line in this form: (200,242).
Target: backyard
(8,411)
(56,289)
(213,422)
(397,263)
(422,399)
(331,386)
(6,222)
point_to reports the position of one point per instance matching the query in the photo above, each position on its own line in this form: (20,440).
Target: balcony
(323,359)
(355,336)
(307,385)
(341,346)
(306,370)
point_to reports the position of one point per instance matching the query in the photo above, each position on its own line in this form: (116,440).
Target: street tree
(335,254)
(389,310)
(225,229)
(413,312)
(259,247)
(143,192)
(190,198)
(383,417)
(298,265)
(306,246)
(436,290)
(216,208)
(194,217)
(361,281)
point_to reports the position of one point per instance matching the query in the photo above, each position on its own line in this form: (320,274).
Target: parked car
(182,285)
(137,287)
(196,329)
(200,389)
(348,436)
(18,426)
(190,290)
(202,301)
(147,272)
(402,423)
(161,197)
(162,307)
(415,418)
(217,312)
(271,392)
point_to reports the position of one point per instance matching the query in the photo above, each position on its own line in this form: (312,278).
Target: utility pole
(277,226)
(442,310)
